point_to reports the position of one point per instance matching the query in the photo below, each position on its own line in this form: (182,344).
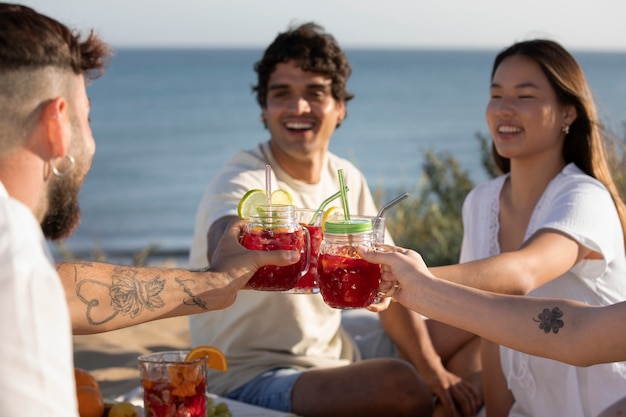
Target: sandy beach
(112,357)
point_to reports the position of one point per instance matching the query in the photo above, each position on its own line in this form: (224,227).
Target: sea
(165,121)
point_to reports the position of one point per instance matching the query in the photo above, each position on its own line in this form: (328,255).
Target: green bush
(430,221)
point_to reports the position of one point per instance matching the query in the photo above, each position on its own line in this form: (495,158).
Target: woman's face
(523,114)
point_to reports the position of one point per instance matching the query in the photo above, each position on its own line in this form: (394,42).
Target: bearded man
(46,150)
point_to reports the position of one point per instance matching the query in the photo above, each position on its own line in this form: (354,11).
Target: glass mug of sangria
(311,220)
(275,227)
(173,386)
(346,280)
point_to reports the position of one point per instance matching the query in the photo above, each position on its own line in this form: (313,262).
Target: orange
(88,394)
(90,402)
(215,358)
(84,378)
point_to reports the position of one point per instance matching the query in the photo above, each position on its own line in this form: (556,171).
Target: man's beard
(63,213)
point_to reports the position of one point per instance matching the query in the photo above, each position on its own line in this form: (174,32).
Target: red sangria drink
(173,387)
(309,282)
(273,277)
(346,280)
(276,228)
(311,220)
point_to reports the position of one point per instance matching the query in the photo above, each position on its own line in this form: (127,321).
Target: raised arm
(104,297)
(545,256)
(538,326)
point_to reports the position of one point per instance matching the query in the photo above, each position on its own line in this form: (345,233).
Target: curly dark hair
(312,50)
(31,40)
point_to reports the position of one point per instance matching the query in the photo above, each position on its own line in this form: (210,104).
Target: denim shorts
(272,389)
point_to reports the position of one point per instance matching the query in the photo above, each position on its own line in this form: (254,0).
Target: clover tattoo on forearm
(550,320)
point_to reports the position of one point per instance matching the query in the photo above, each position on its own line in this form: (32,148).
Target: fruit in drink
(331,211)
(308,282)
(272,227)
(273,277)
(215,358)
(347,281)
(180,393)
(253,199)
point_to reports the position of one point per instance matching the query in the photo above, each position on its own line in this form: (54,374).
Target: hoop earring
(565,129)
(64,173)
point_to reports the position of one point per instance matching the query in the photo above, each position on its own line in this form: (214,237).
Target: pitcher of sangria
(276,227)
(346,280)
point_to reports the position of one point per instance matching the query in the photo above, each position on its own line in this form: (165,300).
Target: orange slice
(215,358)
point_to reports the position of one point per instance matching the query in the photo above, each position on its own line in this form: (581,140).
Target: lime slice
(249,202)
(282,197)
(256,198)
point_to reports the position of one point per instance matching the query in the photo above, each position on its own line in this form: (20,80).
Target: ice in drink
(173,387)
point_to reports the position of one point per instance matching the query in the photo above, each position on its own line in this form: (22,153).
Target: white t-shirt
(36,363)
(580,207)
(265,330)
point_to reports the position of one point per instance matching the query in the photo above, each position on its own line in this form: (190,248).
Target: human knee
(409,394)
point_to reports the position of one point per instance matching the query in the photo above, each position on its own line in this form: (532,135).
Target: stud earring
(565,129)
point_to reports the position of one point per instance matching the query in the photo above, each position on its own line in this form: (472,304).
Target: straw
(386,207)
(268,184)
(324,204)
(344,199)
(392,203)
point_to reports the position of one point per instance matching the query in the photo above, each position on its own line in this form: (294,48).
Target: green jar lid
(348,226)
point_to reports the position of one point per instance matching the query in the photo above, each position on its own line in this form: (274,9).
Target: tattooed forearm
(193,299)
(550,320)
(128,295)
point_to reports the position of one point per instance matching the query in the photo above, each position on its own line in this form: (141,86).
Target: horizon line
(451,48)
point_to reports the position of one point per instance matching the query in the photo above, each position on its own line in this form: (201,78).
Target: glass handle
(307,246)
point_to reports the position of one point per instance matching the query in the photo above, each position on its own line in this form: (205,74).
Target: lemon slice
(215,358)
(330,212)
(256,198)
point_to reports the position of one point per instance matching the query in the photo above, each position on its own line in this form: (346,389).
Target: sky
(448,24)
